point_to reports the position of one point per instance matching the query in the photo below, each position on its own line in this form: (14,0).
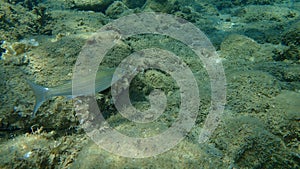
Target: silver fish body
(103,81)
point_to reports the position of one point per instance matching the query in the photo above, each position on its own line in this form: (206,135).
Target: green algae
(261,125)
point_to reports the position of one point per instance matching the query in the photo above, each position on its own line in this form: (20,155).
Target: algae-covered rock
(116,10)
(260,132)
(248,144)
(18,22)
(17,48)
(134,3)
(80,23)
(189,14)
(254,2)
(264,23)
(165,6)
(241,52)
(40,150)
(292,35)
(90,5)
(30,4)
(253,89)
(291,53)
(287,73)
(284,120)
(239,46)
(184,155)
(232,3)
(291,38)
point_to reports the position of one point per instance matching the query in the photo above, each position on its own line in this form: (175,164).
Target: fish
(103,81)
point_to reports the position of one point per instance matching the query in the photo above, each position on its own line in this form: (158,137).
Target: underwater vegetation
(258,43)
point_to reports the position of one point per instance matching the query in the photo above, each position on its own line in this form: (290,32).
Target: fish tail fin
(41,95)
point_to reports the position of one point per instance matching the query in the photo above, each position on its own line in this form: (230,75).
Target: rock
(91,5)
(116,10)
(292,35)
(166,6)
(239,46)
(134,3)
(253,89)
(248,144)
(291,38)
